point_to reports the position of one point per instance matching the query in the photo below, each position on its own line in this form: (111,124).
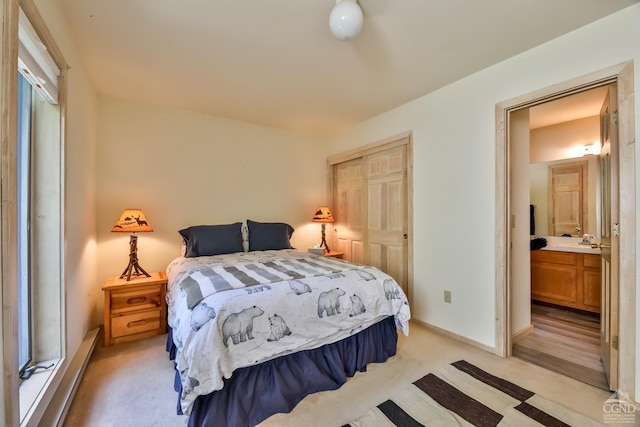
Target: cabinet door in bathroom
(566,278)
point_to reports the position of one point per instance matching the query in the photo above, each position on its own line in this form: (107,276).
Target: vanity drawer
(135,323)
(127,301)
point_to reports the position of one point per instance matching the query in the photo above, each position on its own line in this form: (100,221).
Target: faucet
(587,238)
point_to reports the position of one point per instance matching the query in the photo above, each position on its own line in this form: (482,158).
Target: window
(35,210)
(23,207)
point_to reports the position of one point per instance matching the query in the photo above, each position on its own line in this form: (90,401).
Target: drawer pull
(136,300)
(136,323)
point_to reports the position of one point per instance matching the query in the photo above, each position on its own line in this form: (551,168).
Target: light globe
(345,21)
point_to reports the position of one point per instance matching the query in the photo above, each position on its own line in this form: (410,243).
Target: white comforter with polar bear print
(296,301)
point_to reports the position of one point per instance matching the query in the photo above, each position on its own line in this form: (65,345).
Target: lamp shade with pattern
(132,221)
(323,214)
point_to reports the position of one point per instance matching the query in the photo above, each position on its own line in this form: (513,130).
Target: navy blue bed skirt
(255,393)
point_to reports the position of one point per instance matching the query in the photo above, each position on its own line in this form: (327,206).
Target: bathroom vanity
(567,275)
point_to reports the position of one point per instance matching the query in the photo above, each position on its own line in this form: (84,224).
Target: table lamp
(133,221)
(323,215)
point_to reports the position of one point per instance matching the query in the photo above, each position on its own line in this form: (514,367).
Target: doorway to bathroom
(566,206)
(513,250)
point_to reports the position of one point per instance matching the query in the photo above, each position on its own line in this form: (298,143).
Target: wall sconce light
(345,20)
(584,150)
(133,221)
(324,216)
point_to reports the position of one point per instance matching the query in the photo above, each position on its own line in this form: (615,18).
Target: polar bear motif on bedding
(279,328)
(239,326)
(299,287)
(329,302)
(357,306)
(200,315)
(391,289)
(188,383)
(365,275)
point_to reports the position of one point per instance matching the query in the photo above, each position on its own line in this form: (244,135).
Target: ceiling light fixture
(346,19)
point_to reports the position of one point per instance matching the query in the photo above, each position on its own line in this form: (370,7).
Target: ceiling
(275,63)
(577,106)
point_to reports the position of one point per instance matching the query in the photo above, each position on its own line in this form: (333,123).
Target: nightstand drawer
(135,323)
(124,302)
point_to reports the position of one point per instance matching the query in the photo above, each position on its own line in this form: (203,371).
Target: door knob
(405,236)
(603,246)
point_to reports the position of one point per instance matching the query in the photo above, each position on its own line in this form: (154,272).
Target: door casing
(622,74)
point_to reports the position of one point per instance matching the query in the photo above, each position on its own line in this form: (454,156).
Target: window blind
(35,63)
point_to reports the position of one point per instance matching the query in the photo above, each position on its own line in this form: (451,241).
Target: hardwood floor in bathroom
(564,341)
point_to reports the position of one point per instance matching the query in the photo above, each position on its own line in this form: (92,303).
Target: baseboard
(59,405)
(457,337)
(521,334)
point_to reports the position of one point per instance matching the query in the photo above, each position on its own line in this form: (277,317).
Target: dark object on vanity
(538,243)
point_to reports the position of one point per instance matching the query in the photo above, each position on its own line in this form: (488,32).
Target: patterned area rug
(464,395)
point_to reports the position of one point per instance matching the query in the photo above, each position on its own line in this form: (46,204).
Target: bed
(255,325)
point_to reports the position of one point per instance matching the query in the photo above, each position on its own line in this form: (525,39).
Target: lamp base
(133,269)
(324,240)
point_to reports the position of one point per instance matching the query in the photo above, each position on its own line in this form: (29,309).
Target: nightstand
(134,309)
(334,254)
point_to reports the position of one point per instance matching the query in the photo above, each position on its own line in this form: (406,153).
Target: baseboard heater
(60,403)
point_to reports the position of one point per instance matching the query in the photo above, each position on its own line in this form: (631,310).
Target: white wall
(564,140)
(80,191)
(454,166)
(184,168)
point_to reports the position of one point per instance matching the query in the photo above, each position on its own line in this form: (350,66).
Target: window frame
(49,281)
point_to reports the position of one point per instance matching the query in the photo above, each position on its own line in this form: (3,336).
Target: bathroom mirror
(541,186)
(564,140)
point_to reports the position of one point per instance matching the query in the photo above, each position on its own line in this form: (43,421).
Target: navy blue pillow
(264,236)
(205,240)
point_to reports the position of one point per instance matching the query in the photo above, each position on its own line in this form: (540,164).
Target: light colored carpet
(461,394)
(131,384)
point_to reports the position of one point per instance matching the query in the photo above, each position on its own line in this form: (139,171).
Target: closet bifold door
(370,208)
(386,213)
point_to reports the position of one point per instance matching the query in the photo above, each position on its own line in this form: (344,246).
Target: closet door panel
(395,194)
(386,215)
(395,264)
(376,256)
(348,211)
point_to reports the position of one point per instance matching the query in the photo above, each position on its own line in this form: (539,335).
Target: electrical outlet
(447,296)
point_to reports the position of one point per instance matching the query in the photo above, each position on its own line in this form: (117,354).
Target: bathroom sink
(569,244)
(572,247)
